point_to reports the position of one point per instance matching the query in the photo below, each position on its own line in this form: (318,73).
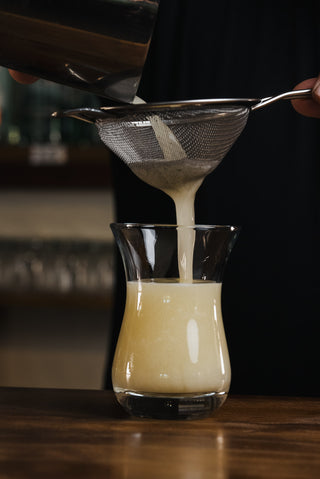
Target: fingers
(22,77)
(316,90)
(310,107)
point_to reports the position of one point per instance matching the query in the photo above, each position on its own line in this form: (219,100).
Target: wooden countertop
(84,434)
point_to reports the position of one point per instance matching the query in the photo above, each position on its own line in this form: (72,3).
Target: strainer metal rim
(182,104)
(91,115)
(247,102)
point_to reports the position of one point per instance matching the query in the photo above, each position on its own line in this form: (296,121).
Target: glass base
(165,406)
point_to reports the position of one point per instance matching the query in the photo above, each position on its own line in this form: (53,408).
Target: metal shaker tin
(94,45)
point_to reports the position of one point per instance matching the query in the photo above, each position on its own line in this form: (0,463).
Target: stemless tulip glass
(171,359)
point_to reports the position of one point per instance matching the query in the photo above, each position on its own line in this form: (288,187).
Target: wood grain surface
(85,434)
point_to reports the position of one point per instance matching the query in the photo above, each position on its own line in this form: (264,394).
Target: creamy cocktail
(172,340)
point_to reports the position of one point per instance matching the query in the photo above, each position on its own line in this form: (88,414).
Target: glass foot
(164,406)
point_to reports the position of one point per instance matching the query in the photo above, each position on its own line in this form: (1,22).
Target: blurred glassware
(55,266)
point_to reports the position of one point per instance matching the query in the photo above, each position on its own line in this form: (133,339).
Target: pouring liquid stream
(180,179)
(184,206)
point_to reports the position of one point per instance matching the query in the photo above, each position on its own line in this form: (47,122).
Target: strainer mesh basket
(203,134)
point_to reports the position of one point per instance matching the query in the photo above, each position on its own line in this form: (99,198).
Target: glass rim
(173,226)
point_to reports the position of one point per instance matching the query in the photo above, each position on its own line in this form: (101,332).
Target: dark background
(268,184)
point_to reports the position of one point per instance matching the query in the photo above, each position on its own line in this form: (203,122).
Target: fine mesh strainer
(191,136)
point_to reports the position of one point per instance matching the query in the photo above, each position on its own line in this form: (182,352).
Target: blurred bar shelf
(87,301)
(83,166)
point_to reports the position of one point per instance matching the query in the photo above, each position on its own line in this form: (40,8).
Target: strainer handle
(289,95)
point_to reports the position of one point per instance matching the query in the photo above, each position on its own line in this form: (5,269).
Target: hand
(22,77)
(309,107)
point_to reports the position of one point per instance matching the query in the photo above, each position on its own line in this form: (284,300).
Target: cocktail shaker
(95,45)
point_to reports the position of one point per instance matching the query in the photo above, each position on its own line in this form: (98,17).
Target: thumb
(316,90)
(308,107)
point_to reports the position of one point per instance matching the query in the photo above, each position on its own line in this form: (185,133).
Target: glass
(55,266)
(171,359)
